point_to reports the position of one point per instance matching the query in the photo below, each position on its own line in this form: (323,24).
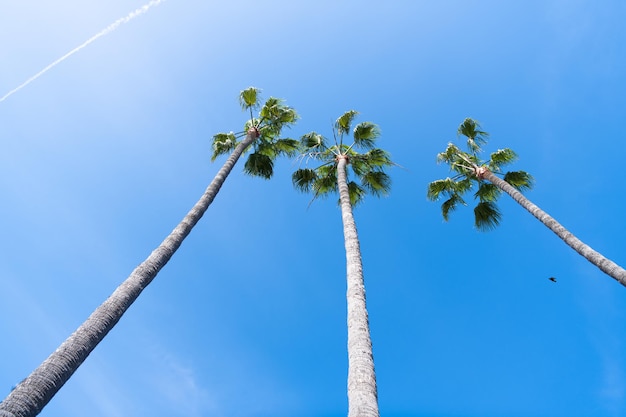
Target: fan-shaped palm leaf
(450,205)
(248,98)
(275,111)
(438,187)
(303,179)
(376,182)
(500,158)
(470,128)
(464,184)
(449,155)
(376,158)
(259,165)
(326,182)
(372,159)
(486,216)
(487,192)
(344,122)
(313,142)
(365,135)
(286,146)
(223,143)
(357,193)
(519,179)
(270,108)
(266,147)
(360,166)
(287,116)
(276,120)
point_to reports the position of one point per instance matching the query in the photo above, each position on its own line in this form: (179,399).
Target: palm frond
(303,179)
(378,158)
(359,165)
(356,192)
(272,128)
(274,116)
(249,98)
(470,128)
(450,205)
(465,184)
(521,180)
(500,158)
(271,107)
(288,116)
(344,122)
(449,155)
(326,182)
(286,146)
(436,188)
(373,159)
(270,131)
(223,143)
(259,165)
(365,134)
(313,141)
(487,192)
(327,170)
(266,147)
(486,216)
(377,182)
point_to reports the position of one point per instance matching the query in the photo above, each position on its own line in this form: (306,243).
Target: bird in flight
(552,279)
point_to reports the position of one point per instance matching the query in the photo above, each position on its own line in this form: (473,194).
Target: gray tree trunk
(32,394)
(606,265)
(362,392)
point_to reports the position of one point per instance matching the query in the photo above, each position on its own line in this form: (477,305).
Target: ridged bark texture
(32,394)
(606,265)
(362,392)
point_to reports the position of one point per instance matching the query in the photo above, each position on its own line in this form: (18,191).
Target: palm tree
(31,395)
(330,177)
(470,170)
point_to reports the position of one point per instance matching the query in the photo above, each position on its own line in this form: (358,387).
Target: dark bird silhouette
(552,279)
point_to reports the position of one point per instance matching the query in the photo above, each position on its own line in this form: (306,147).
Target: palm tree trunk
(32,394)
(362,393)
(606,265)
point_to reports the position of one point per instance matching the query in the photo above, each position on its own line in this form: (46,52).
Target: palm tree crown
(273,116)
(366,167)
(469,172)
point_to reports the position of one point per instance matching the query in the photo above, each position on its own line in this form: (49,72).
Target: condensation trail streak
(143,9)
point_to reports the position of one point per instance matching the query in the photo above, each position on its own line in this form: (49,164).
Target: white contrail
(108,29)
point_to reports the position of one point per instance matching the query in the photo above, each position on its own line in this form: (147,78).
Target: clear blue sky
(105,153)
